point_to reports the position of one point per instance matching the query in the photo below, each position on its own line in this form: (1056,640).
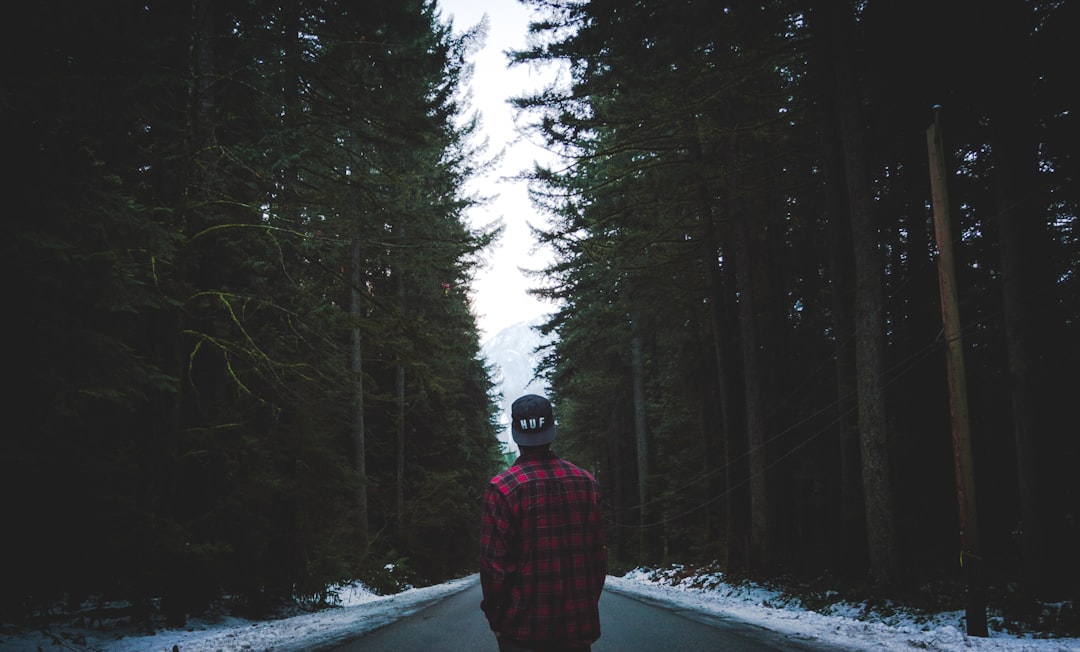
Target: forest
(243,355)
(750,346)
(244,365)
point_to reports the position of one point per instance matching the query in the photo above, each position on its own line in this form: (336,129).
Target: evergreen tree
(189,398)
(715,171)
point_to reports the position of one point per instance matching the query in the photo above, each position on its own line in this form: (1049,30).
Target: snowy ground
(845,626)
(361,610)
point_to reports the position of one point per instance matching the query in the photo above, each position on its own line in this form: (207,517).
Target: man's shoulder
(505,478)
(502,476)
(524,471)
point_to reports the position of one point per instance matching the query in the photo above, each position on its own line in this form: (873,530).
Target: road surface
(628,624)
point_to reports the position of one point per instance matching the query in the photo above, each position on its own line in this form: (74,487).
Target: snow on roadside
(360,611)
(840,627)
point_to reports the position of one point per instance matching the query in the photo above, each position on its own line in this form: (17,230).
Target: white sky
(499,297)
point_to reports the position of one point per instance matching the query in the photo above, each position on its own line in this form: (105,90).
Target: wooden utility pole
(970,557)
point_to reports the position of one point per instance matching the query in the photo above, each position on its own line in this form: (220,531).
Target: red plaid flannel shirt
(542,556)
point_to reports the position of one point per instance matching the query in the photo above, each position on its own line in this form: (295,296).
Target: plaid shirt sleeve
(542,556)
(496,563)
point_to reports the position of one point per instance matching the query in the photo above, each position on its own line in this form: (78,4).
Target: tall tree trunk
(753,370)
(617,488)
(869,309)
(163,494)
(399,381)
(722,358)
(737,471)
(356,366)
(852,548)
(1026,283)
(850,554)
(1023,363)
(640,429)
(399,488)
(733,529)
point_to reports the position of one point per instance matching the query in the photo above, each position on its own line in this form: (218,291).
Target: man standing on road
(542,556)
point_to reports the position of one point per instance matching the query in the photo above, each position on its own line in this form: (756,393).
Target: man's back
(542,552)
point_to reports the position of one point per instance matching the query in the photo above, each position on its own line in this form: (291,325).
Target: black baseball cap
(531,421)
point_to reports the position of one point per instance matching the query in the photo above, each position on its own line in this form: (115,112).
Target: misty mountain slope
(511,352)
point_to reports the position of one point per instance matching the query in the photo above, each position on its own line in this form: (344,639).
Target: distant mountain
(511,352)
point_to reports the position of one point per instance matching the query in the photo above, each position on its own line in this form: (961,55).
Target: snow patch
(846,626)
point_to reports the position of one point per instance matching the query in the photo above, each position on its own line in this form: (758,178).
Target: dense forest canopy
(750,346)
(242,355)
(238,272)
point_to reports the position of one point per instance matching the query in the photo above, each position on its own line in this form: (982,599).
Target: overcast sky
(499,297)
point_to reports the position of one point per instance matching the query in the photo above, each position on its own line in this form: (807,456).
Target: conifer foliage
(749,347)
(218,211)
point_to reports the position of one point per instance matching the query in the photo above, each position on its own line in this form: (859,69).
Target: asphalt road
(628,624)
